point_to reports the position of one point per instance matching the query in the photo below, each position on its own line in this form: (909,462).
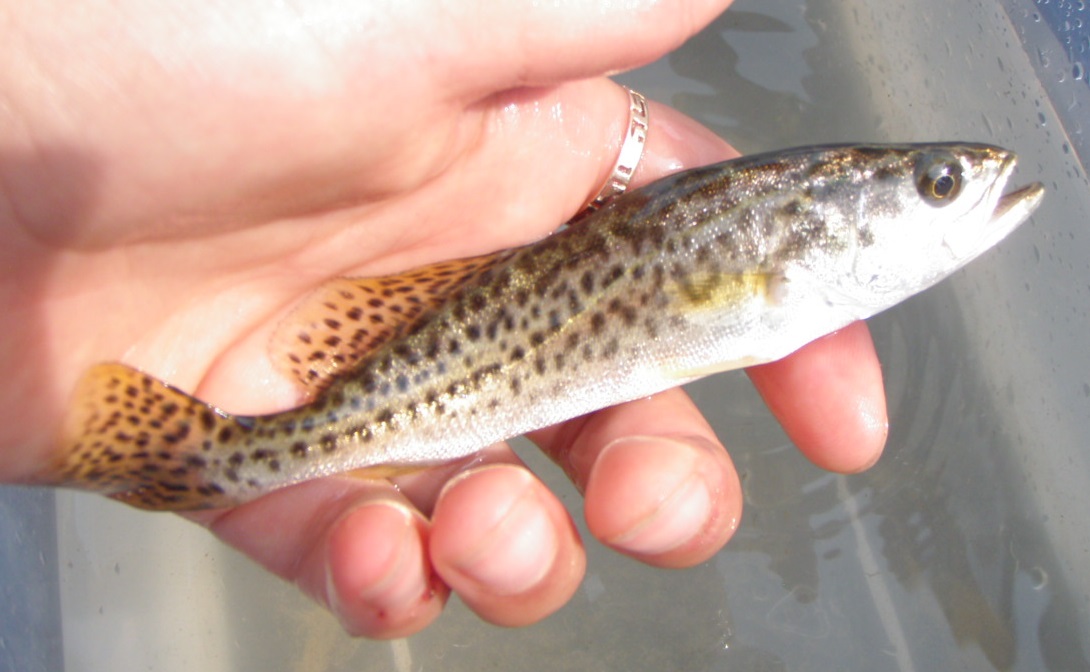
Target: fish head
(924,213)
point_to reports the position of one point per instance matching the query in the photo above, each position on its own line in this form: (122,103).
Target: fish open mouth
(1010,210)
(1013,208)
(1018,204)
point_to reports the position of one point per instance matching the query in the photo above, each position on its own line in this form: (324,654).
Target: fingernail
(403,582)
(683,507)
(516,553)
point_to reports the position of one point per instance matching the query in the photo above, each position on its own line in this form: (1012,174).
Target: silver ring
(631,151)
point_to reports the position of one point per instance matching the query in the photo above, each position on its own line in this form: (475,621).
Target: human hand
(172,183)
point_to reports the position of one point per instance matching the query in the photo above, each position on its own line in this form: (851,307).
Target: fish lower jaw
(966,243)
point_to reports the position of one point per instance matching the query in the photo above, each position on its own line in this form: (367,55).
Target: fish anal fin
(132,437)
(345,319)
(695,373)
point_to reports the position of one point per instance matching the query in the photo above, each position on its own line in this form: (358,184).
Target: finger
(353,545)
(829,398)
(541,43)
(545,155)
(506,545)
(659,487)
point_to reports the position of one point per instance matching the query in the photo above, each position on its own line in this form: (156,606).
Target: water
(966,548)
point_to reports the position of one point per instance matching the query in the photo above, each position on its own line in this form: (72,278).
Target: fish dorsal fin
(347,318)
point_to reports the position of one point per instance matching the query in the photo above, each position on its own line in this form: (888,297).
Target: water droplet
(1038,577)
(1078,71)
(1041,118)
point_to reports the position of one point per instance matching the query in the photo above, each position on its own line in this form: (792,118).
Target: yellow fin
(135,438)
(347,318)
(704,371)
(715,291)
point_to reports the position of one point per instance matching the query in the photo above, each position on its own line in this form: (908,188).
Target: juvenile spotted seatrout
(707,270)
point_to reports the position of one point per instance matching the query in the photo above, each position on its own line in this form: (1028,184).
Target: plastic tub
(967,547)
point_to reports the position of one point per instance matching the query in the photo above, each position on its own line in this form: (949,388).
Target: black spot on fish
(611,348)
(587,282)
(597,322)
(658,274)
(615,273)
(575,306)
(560,290)
(554,320)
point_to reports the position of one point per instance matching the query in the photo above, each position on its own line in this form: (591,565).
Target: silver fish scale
(572,319)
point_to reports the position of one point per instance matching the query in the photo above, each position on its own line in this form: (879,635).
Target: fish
(711,269)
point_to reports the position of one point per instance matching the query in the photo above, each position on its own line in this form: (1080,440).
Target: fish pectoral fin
(136,439)
(345,319)
(708,291)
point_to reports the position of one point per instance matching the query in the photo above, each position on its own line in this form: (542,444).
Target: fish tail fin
(136,439)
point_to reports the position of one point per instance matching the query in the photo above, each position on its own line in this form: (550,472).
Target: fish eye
(938,180)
